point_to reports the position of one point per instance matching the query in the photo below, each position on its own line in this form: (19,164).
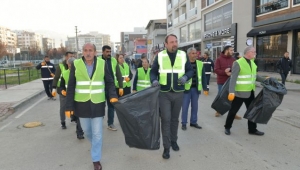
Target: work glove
(54,92)
(52,75)
(121,92)
(43,63)
(205,93)
(113,100)
(127,79)
(155,83)
(69,113)
(182,80)
(64,93)
(231,96)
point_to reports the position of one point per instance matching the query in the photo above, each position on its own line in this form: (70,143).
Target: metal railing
(175,21)
(271,6)
(182,17)
(169,7)
(192,12)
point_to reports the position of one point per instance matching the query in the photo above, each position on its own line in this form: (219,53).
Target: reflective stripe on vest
(165,66)
(247,76)
(89,88)
(125,73)
(143,80)
(66,75)
(199,75)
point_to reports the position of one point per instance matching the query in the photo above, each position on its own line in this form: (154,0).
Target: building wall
(9,38)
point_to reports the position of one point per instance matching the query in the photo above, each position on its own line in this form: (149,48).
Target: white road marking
(26,110)
(5,126)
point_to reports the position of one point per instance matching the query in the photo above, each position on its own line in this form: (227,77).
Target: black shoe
(258,133)
(166,154)
(63,125)
(227,131)
(80,136)
(183,127)
(196,126)
(174,145)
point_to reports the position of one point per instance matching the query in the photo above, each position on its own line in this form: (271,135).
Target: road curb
(14,107)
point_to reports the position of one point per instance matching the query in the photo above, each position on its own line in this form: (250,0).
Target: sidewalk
(14,97)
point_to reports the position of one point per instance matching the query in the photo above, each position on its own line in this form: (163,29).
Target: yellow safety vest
(125,73)
(143,80)
(247,76)
(66,75)
(199,75)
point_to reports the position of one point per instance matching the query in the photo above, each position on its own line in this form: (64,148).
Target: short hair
(71,60)
(46,56)
(170,35)
(145,59)
(207,53)
(68,52)
(143,56)
(106,47)
(287,52)
(191,49)
(91,44)
(117,56)
(247,49)
(226,48)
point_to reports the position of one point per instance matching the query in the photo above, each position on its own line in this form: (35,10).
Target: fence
(16,76)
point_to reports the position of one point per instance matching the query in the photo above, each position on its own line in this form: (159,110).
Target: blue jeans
(110,111)
(192,96)
(92,128)
(220,87)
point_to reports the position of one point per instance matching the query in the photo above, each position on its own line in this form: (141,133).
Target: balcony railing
(296,2)
(175,21)
(182,17)
(271,6)
(192,12)
(175,2)
(169,7)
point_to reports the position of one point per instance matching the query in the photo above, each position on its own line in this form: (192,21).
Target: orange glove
(43,63)
(54,92)
(127,79)
(121,92)
(64,93)
(52,75)
(205,93)
(113,100)
(231,96)
(69,113)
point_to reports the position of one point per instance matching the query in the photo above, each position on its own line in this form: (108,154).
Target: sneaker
(217,114)
(51,98)
(112,127)
(63,125)
(237,117)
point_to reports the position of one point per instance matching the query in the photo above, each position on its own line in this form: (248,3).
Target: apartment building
(276,30)
(184,20)
(9,38)
(127,39)
(30,41)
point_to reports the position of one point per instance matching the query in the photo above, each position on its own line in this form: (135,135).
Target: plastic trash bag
(138,114)
(266,102)
(221,103)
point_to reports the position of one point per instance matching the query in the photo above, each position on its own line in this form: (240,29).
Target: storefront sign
(218,33)
(218,18)
(262,32)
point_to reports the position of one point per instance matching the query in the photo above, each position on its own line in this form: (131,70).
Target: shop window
(195,31)
(209,2)
(296,57)
(183,34)
(269,50)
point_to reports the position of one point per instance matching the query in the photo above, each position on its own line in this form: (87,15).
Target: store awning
(270,29)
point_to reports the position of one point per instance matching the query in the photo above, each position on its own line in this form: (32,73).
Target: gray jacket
(234,74)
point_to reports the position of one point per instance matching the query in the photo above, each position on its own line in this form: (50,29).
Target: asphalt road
(48,147)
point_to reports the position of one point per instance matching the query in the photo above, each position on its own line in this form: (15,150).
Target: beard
(174,48)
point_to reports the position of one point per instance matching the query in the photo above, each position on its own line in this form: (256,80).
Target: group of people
(85,85)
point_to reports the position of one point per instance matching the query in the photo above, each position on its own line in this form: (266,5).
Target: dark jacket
(208,65)
(138,63)
(46,71)
(222,63)
(154,74)
(120,77)
(110,71)
(195,80)
(88,109)
(284,65)
(58,74)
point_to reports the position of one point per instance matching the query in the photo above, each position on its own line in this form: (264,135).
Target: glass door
(216,52)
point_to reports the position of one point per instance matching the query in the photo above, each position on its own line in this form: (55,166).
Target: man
(193,90)
(242,88)
(223,70)
(56,86)
(47,72)
(208,66)
(111,64)
(284,65)
(172,68)
(86,97)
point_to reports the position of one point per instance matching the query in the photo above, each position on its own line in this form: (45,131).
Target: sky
(61,16)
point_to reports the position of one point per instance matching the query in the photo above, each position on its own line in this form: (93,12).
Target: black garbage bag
(266,102)
(221,103)
(138,114)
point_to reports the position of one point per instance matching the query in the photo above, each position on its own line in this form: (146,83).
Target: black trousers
(207,76)
(283,77)
(48,87)
(235,107)
(127,90)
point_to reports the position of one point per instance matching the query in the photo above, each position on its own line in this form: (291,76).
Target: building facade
(9,38)
(156,33)
(127,39)
(276,30)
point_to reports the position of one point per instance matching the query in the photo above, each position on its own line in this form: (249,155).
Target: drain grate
(292,120)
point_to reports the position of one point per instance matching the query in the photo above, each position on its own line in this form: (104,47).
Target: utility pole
(76,40)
